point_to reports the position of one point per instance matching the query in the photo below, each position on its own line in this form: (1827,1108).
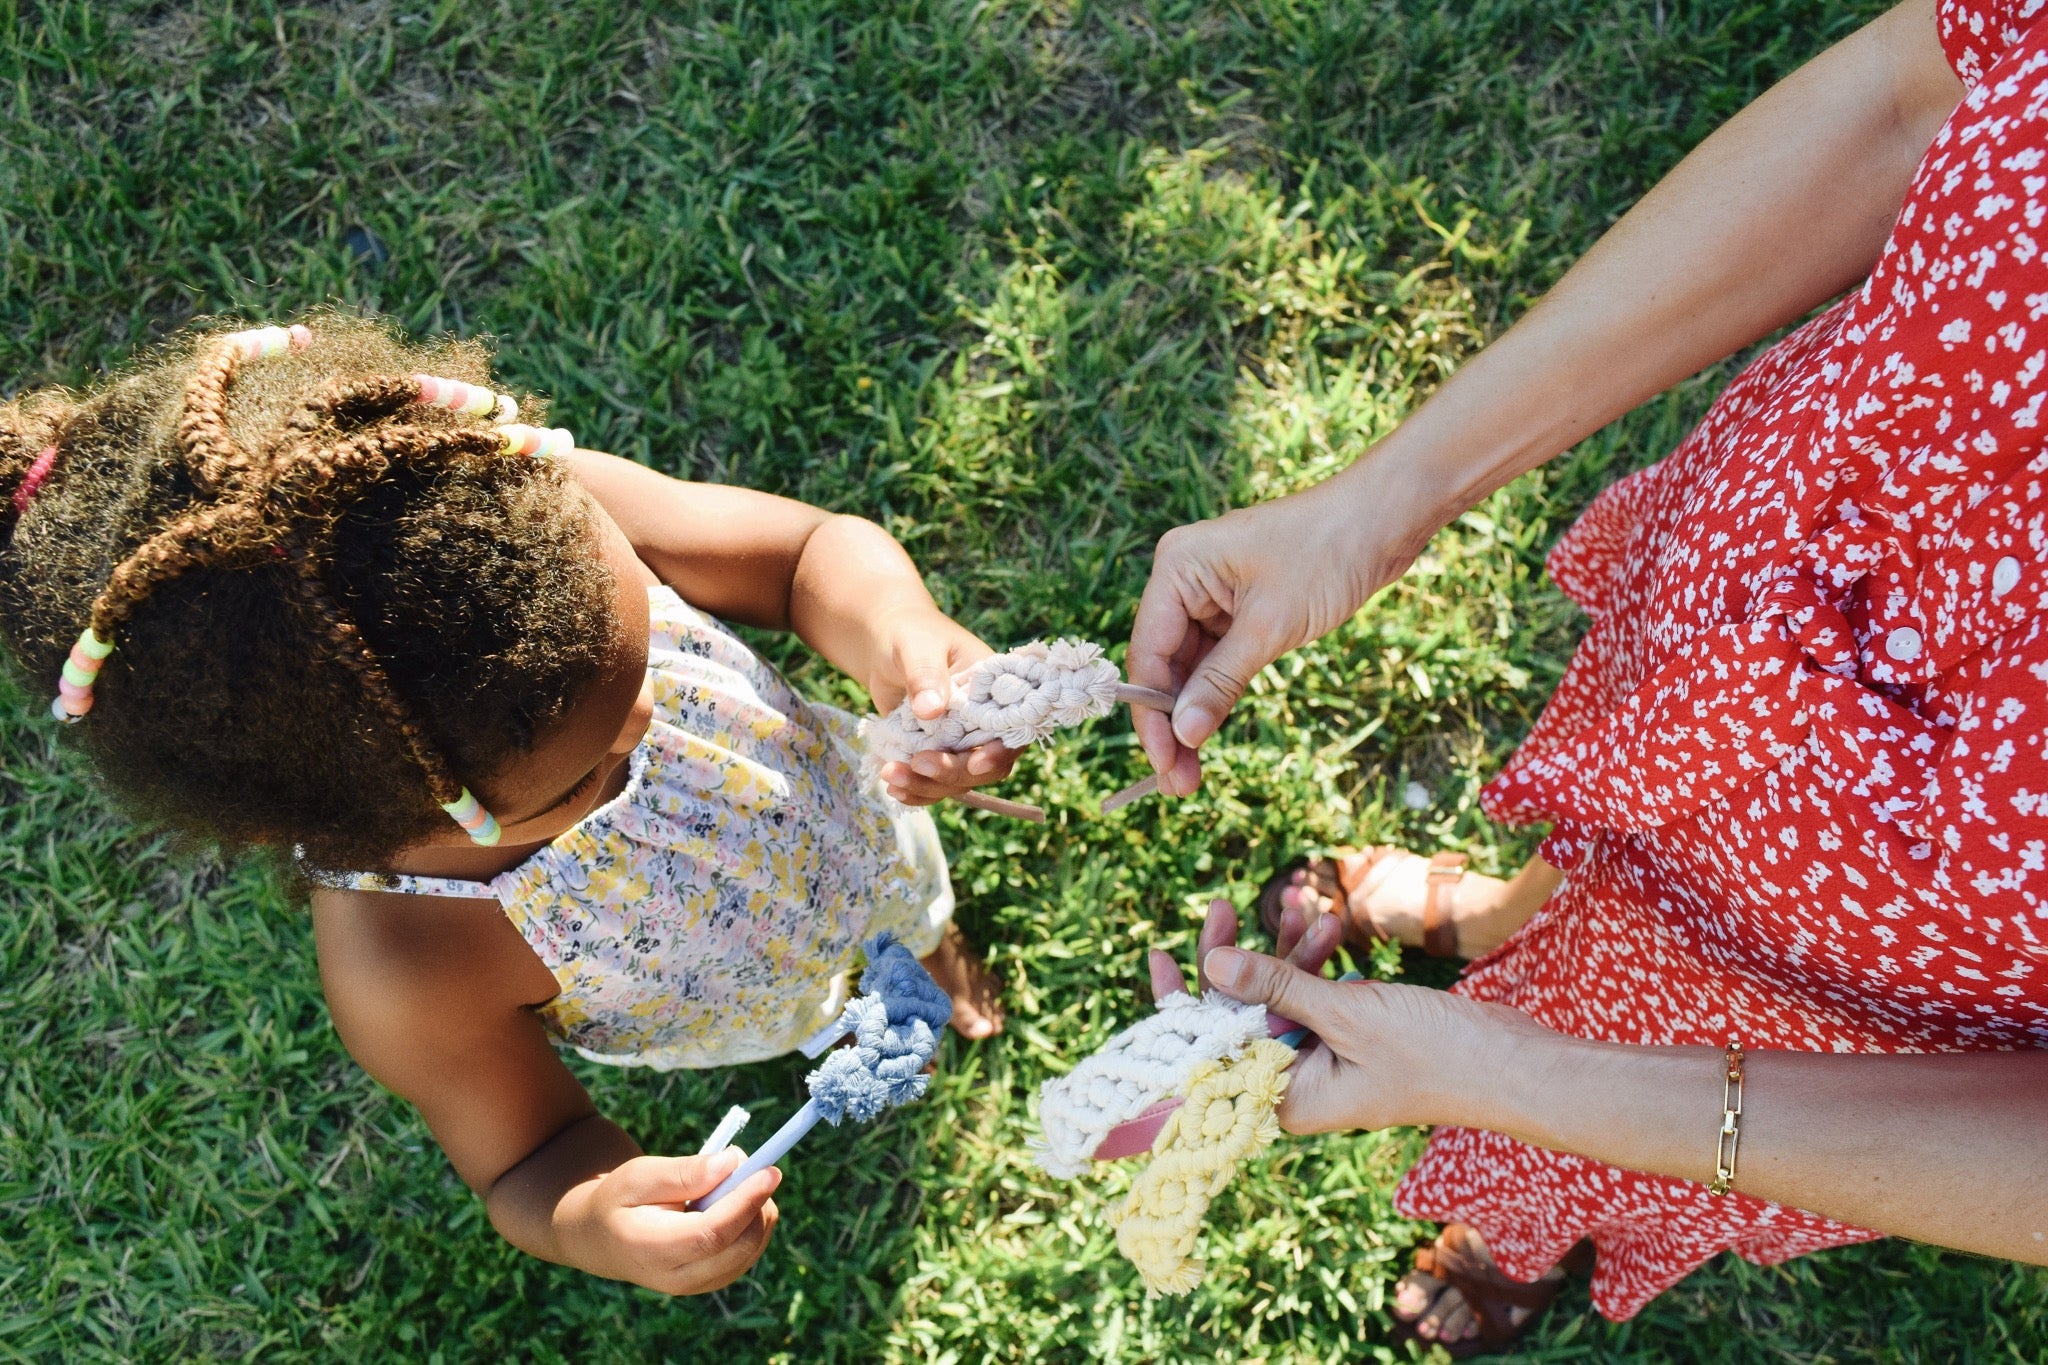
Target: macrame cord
(1206,1072)
(1016,700)
(895,1023)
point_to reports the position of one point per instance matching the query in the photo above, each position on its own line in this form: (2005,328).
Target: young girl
(315,588)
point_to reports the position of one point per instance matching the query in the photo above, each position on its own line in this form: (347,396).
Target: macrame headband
(89,654)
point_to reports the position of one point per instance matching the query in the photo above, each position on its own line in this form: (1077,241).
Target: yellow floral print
(711,913)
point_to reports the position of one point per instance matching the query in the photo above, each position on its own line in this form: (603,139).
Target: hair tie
(25,492)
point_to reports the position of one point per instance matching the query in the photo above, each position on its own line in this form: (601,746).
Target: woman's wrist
(1646,1108)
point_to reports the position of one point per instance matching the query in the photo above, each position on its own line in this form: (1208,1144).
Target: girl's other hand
(920,650)
(631,1223)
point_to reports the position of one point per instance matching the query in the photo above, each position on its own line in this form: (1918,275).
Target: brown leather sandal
(1337,877)
(1490,1295)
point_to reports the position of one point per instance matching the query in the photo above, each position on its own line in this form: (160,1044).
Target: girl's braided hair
(334,605)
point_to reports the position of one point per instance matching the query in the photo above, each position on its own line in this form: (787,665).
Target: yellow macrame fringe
(1227,1117)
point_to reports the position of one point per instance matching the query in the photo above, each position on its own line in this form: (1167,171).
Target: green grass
(1030,282)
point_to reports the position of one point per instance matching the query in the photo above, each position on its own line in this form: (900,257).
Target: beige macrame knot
(1014,699)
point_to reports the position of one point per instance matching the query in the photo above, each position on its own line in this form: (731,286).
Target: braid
(310,479)
(229,535)
(353,653)
(321,588)
(352,403)
(203,425)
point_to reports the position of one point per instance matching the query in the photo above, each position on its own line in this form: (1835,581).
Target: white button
(1903,644)
(2005,576)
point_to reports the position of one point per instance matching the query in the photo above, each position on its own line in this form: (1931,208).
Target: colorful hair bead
(540,442)
(81,670)
(262,341)
(457,396)
(469,813)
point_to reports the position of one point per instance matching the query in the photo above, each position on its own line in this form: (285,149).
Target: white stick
(771,1152)
(728,1128)
(997,806)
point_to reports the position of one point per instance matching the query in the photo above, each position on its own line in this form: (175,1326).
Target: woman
(1797,771)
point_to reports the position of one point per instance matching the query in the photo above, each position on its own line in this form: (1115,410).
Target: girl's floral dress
(711,913)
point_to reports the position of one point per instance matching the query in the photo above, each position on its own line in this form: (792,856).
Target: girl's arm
(1785,206)
(1943,1147)
(435,998)
(841,583)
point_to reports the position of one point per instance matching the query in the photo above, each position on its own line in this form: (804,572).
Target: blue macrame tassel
(895,1023)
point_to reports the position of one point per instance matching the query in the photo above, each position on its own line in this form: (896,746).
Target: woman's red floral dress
(1798,768)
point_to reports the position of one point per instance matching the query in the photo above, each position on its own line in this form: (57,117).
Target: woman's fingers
(1282,987)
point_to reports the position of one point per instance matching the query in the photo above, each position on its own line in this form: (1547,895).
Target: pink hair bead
(81,670)
(257,342)
(540,442)
(459,396)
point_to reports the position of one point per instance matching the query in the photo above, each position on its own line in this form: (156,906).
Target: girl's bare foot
(1389,887)
(976,993)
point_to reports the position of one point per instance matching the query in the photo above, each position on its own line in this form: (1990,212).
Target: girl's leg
(976,993)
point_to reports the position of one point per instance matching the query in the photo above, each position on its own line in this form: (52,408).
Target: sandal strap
(1352,866)
(1439,933)
(1488,1293)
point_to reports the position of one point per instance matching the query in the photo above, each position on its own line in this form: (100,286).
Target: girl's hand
(918,650)
(631,1223)
(1383,1054)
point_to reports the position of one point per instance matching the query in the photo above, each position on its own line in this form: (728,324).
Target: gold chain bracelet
(1731,1122)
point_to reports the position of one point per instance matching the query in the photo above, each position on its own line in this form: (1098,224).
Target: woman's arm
(1944,1147)
(1785,206)
(841,583)
(435,999)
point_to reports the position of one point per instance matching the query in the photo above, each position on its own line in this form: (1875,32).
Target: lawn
(1030,282)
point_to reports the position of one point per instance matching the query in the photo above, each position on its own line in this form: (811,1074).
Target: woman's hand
(1229,596)
(631,1223)
(917,649)
(1382,1055)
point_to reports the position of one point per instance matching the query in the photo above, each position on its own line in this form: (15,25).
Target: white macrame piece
(1148,1062)
(1014,699)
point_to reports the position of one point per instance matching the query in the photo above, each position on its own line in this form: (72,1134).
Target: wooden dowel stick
(1130,694)
(995,805)
(1137,790)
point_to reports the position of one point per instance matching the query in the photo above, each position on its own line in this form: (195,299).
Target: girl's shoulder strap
(403,884)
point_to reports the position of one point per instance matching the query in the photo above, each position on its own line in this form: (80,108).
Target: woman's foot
(1434,1308)
(976,991)
(1385,893)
